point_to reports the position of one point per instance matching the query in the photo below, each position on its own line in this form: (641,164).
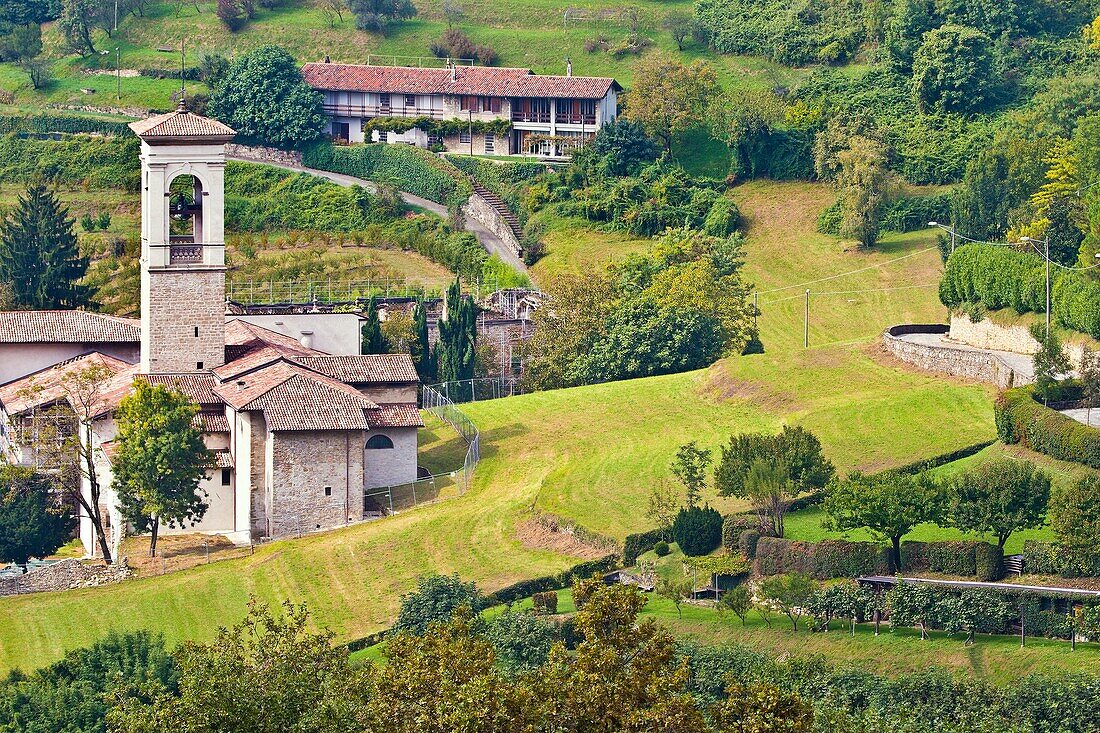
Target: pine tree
(39,257)
(457,336)
(423,356)
(373,341)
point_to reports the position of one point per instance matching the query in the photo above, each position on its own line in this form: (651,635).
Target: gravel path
(491,242)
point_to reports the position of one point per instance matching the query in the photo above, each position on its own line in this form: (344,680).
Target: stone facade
(262,154)
(185,312)
(985,334)
(479,143)
(976,365)
(63,575)
(319,476)
(480,210)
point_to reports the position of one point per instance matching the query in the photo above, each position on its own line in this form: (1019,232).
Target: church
(298,433)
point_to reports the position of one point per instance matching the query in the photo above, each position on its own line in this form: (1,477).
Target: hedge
(433,126)
(409,168)
(732,528)
(906,214)
(821,560)
(928,464)
(981,560)
(640,543)
(503,179)
(747,543)
(1046,558)
(46,123)
(1020,419)
(525,588)
(1002,277)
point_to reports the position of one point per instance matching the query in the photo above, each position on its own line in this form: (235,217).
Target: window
(198,365)
(384,102)
(227,476)
(328,491)
(467,103)
(464,137)
(196,331)
(410,100)
(377,442)
(489,142)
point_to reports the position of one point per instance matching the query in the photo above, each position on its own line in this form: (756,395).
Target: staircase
(498,205)
(1014,564)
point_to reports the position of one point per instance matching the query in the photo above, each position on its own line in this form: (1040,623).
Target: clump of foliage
(455,44)
(697,530)
(32,524)
(379,15)
(999,497)
(435,599)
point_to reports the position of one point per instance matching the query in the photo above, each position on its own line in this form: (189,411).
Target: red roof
(474,80)
(66,326)
(182,124)
(49,386)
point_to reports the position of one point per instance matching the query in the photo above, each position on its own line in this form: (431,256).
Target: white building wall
(390,466)
(333,333)
(19,360)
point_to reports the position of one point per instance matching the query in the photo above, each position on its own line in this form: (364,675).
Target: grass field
(525,33)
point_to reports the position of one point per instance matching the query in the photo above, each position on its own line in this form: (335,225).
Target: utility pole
(755,310)
(806,332)
(118,69)
(470,129)
(1046,258)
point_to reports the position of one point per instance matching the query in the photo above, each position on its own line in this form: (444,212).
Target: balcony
(374,110)
(185,254)
(572,119)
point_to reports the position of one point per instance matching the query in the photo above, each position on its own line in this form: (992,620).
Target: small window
(410,100)
(379,441)
(196,331)
(464,137)
(328,491)
(384,101)
(198,365)
(489,142)
(227,476)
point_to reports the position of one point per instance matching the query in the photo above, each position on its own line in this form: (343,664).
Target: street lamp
(1046,257)
(950,230)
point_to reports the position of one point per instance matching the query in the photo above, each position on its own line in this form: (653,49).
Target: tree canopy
(999,497)
(32,524)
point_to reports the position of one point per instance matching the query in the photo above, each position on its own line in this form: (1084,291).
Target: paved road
(1020,363)
(491,242)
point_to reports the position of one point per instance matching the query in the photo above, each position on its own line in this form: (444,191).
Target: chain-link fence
(479,390)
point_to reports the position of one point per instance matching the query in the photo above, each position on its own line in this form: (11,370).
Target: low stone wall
(985,334)
(260,154)
(63,575)
(945,360)
(480,210)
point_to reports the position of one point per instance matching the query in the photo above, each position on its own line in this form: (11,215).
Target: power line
(850,292)
(851,272)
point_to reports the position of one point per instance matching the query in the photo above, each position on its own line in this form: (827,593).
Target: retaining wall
(946,360)
(63,575)
(260,154)
(985,334)
(480,210)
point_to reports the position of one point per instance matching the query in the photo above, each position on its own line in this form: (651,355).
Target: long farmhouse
(299,434)
(545,115)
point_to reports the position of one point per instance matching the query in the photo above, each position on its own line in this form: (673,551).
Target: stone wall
(302,466)
(260,154)
(179,302)
(945,360)
(985,334)
(480,210)
(63,575)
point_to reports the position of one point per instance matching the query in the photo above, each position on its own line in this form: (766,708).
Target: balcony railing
(375,110)
(184,254)
(561,118)
(521,116)
(571,119)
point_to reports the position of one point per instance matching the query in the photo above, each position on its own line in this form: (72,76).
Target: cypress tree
(457,336)
(39,258)
(423,354)
(373,341)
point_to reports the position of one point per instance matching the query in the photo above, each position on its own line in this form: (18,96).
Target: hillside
(589,454)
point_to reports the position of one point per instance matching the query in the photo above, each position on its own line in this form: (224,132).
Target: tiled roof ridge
(66,326)
(181,123)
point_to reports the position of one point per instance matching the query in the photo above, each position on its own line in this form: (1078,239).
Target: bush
(636,544)
(436,597)
(697,530)
(404,166)
(748,542)
(1020,419)
(968,558)
(821,560)
(50,122)
(546,603)
(564,579)
(1047,558)
(661,549)
(732,528)
(455,44)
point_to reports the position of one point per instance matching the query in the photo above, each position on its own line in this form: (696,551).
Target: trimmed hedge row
(1002,277)
(409,168)
(44,124)
(821,560)
(982,560)
(943,459)
(1020,419)
(1046,558)
(733,526)
(641,543)
(525,588)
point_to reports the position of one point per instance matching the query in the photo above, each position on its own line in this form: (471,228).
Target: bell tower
(182,242)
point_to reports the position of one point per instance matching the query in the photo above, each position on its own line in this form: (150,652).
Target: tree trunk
(153,538)
(1001,540)
(92,506)
(895,543)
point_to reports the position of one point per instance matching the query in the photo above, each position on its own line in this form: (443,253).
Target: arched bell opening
(184,202)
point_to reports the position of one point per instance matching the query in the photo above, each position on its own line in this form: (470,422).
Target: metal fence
(479,390)
(378,502)
(269,292)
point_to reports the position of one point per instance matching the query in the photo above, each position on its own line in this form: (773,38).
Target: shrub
(87,223)
(525,588)
(233,14)
(968,558)
(732,528)
(104,220)
(404,166)
(697,530)
(661,549)
(436,597)
(636,544)
(821,560)
(546,602)
(748,542)
(1020,419)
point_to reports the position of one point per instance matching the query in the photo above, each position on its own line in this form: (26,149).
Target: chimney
(568,67)
(454,72)
(240,384)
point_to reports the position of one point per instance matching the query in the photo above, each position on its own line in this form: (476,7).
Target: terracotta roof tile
(475,80)
(363,369)
(395,416)
(67,326)
(47,386)
(212,422)
(181,124)
(199,388)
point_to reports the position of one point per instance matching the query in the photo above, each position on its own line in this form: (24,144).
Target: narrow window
(464,137)
(196,331)
(489,142)
(410,100)
(227,475)
(328,491)
(198,365)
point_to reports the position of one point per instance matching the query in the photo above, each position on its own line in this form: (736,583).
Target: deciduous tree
(862,180)
(680,26)
(32,524)
(791,594)
(759,707)
(1075,519)
(1049,362)
(953,70)
(160,460)
(675,590)
(39,256)
(999,497)
(738,600)
(690,468)
(378,15)
(436,598)
(669,97)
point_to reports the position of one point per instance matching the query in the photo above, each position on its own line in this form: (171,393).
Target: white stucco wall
(332,333)
(390,466)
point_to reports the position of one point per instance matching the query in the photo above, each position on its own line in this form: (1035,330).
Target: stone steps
(499,206)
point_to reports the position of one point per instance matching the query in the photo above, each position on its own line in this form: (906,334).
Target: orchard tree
(39,256)
(31,522)
(663,503)
(77,21)
(669,97)
(680,26)
(751,707)
(791,594)
(999,497)
(675,590)
(160,461)
(889,505)
(377,15)
(1049,362)
(521,640)
(264,97)
(953,70)
(1075,519)
(912,604)
(738,600)
(690,468)
(436,598)
(862,180)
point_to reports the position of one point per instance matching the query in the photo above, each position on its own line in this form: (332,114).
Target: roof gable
(47,386)
(181,124)
(67,326)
